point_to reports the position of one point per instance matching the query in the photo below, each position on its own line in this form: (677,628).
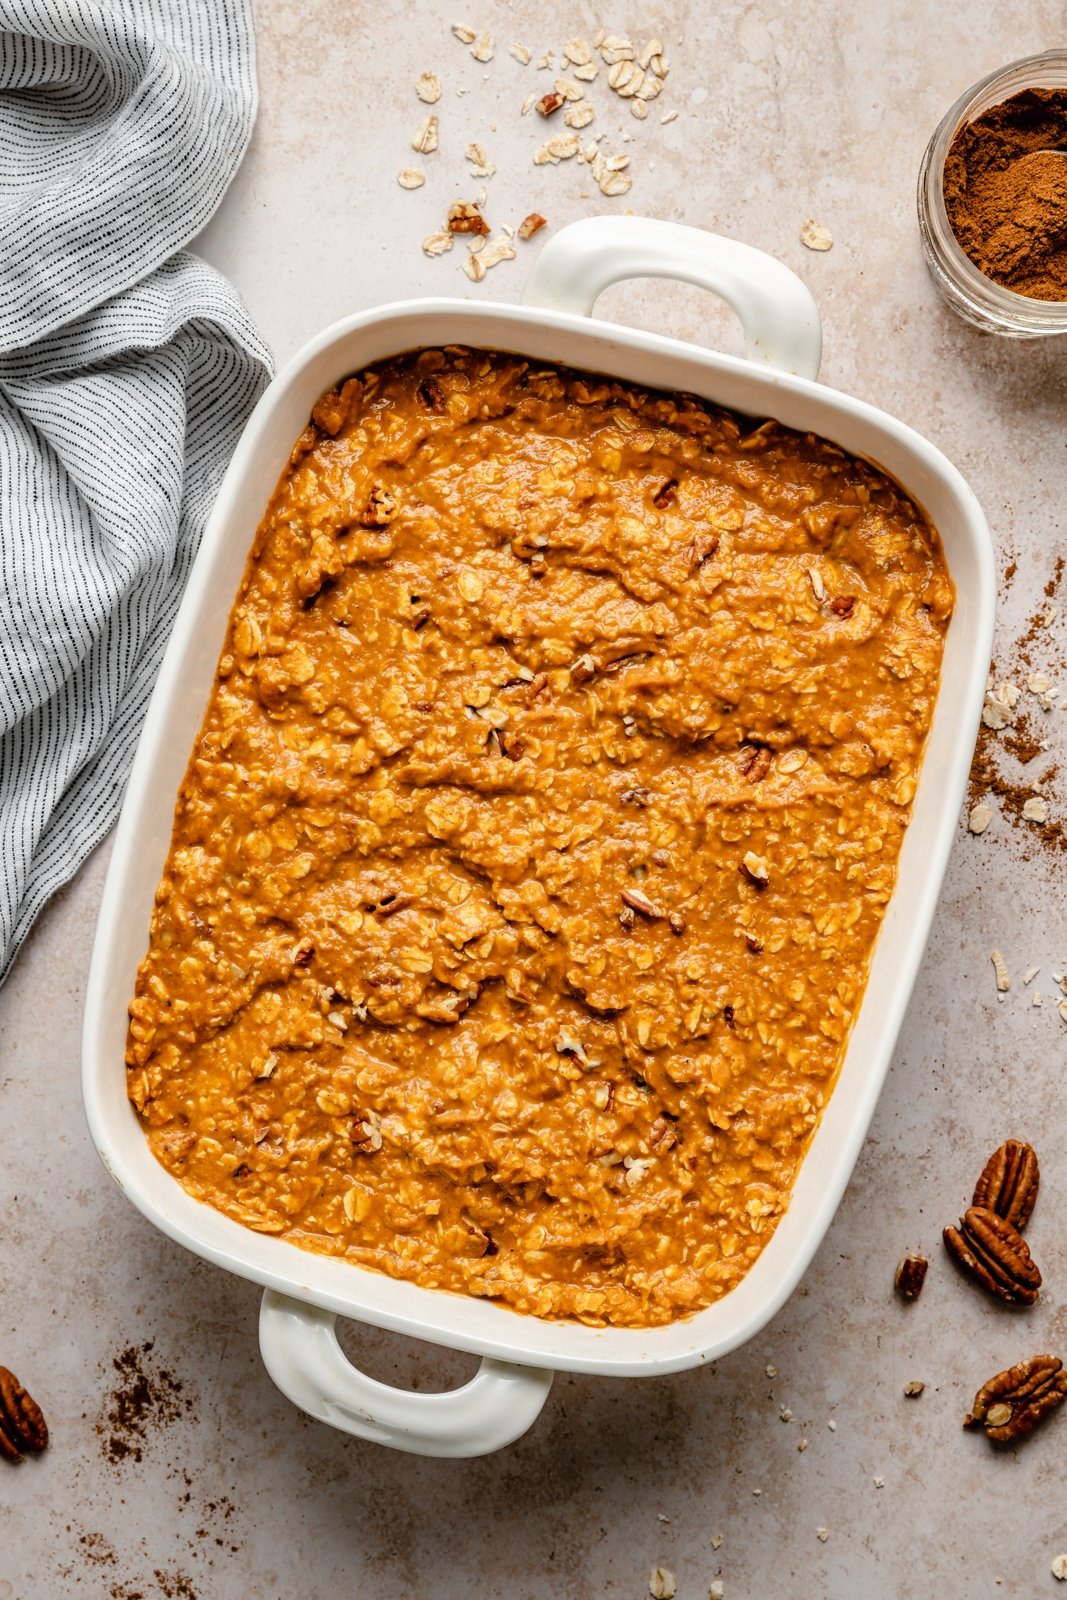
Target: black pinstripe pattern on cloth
(127,370)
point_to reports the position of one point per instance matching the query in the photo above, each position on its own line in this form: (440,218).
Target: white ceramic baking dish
(305,1292)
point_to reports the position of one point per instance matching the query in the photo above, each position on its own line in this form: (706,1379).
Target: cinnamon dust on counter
(1005,188)
(144,1398)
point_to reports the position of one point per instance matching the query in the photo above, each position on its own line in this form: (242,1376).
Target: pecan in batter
(527,868)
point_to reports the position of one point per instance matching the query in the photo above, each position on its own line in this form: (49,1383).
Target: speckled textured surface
(821,112)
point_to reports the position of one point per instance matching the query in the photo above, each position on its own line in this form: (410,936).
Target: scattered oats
(1001,970)
(521,54)
(577,52)
(435,244)
(802,1445)
(568,88)
(1048,618)
(586,74)
(661,1516)
(610,175)
(338,1020)
(785,1415)
(832,1425)
(757,1493)
(622,75)
(668,116)
(428,88)
(411,178)
(544,61)
(716,1590)
(483,48)
(474,266)
(1028,977)
(914,1388)
(616,48)
(529,103)
(660,66)
(464,34)
(815,236)
(579,115)
(558,149)
(531,225)
(481,166)
(1037,683)
(598,38)
(1035,809)
(638,109)
(662,1584)
(879,1483)
(980,817)
(1038,999)
(1062,1009)
(822,1534)
(654,47)
(995,715)
(771,1371)
(1059,1567)
(818,588)
(351,1204)
(425,140)
(716,1541)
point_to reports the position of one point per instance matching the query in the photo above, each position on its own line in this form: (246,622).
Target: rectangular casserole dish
(304,1292)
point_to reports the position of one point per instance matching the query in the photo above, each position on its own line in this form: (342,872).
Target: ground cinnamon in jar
(1005,187)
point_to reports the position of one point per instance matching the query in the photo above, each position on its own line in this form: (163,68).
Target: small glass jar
(978,299)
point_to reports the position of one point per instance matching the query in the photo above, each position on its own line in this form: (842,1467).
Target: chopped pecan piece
(665,494)
(841,605)
(1009,1182)
(910,1276)
(994,1253)
(431,394)
(677,922)
(584,669)
(701,549)
(1012,1404)
(755,762)
(464,217)
(755,869)
(636,797)
(640,902)
(380,509)
(531,225)
(22,1424)
(548,103)
(754,944)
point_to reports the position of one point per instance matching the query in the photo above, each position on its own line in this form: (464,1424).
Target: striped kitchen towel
(127,369)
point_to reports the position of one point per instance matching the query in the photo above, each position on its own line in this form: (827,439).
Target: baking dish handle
(302,1354)
(779,317)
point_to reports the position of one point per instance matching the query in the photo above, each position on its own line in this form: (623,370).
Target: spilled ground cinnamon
(1005,187)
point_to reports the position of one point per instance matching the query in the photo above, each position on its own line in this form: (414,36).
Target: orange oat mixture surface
(526,872)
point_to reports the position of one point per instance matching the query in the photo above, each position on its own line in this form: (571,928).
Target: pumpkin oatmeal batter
(527,868)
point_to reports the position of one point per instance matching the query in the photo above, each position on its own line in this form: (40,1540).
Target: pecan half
(994,1253)
(1009,1182)
(22,1424)
(1012,1404)
(755,762)
(910,1276)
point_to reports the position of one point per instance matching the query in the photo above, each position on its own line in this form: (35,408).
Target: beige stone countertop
(176,1468)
